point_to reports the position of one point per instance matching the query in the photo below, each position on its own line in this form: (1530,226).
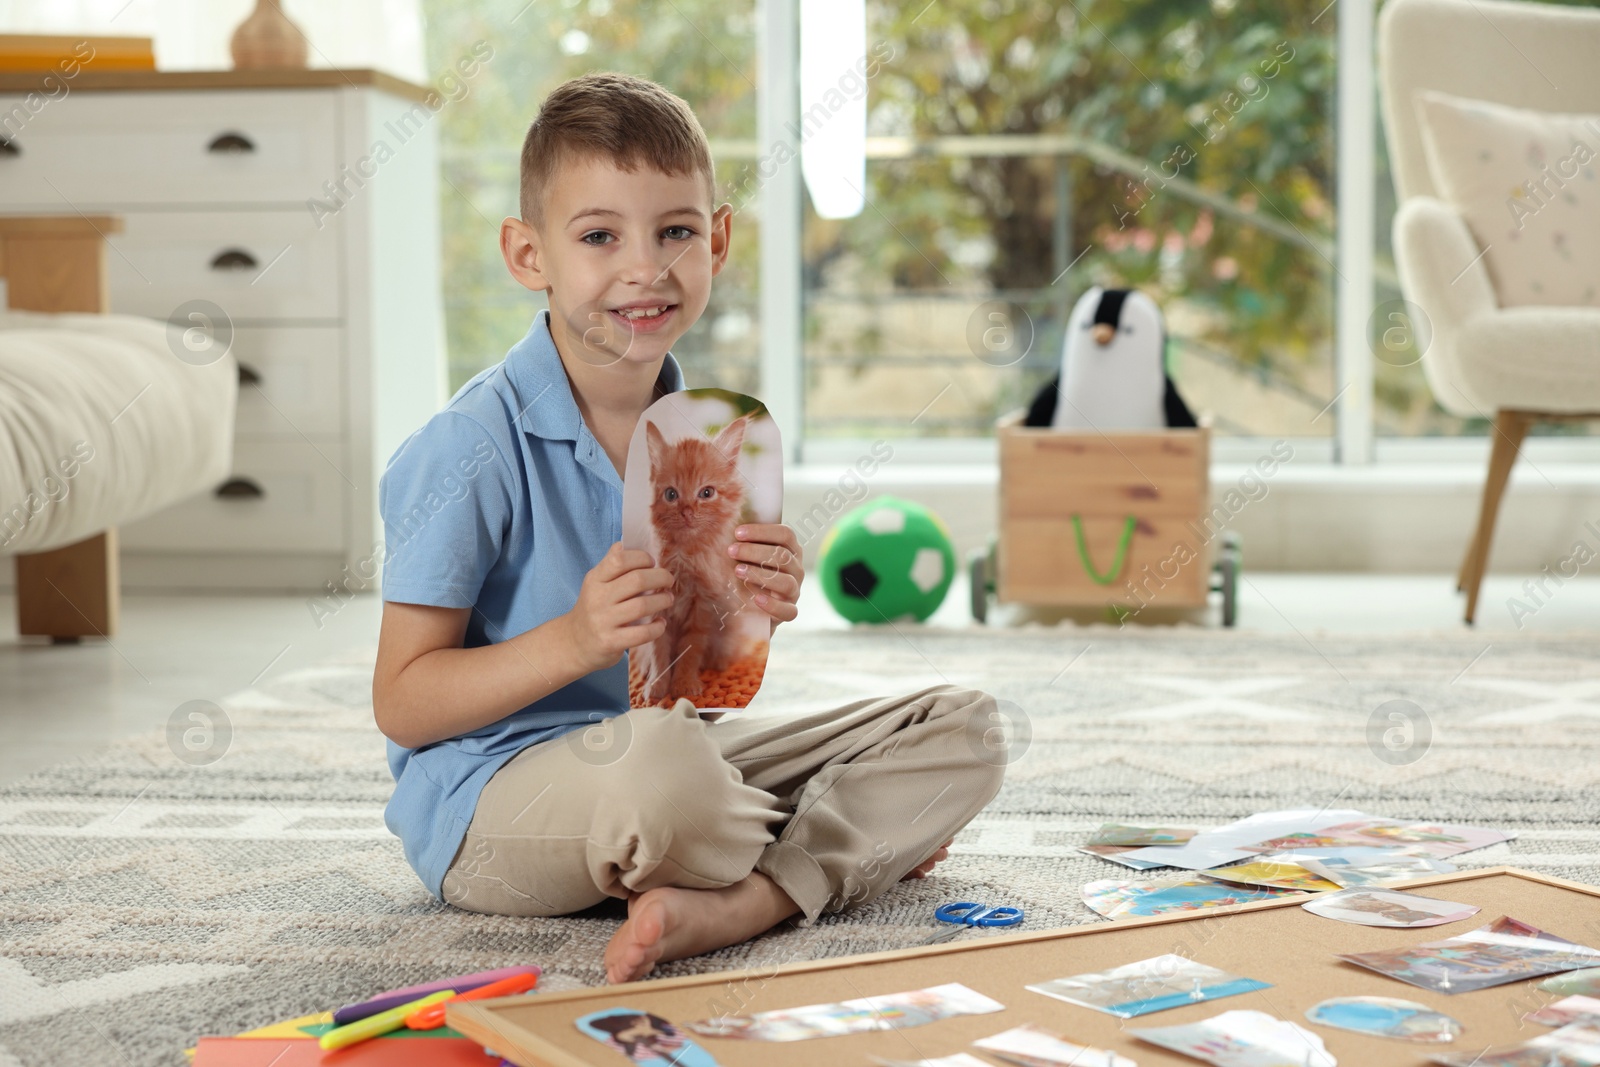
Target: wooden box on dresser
(303,205)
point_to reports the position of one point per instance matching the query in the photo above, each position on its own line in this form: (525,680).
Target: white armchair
(1490,355)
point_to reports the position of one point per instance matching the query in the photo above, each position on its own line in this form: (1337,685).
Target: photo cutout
(702,462)
(645,1038)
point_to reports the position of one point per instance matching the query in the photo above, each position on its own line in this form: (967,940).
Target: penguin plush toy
(1113,371)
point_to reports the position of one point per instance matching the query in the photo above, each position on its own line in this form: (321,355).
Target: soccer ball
(887,560)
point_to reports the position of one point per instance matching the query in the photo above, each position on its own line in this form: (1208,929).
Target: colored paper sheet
(286,1028)
(304,1052)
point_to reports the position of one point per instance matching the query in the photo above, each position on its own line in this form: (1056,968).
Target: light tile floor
(59,700)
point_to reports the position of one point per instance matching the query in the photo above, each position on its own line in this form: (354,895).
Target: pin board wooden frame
(1274,941)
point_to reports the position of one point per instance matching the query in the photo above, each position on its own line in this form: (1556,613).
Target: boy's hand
(770,567)
(617,593)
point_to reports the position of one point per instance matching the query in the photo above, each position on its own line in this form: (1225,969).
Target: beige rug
(146,899)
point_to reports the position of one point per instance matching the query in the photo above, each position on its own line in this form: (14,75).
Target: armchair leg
(70,592)
(1510,428)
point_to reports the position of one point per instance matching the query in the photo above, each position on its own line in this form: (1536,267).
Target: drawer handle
(231,142)
(233,259)
(240,489)
(248,375)
(9,148)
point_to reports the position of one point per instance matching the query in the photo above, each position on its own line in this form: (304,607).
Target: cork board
(1275,941)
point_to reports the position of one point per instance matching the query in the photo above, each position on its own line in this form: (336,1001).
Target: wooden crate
(1054,482)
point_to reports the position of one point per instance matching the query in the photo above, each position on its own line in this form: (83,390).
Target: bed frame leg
(70,592)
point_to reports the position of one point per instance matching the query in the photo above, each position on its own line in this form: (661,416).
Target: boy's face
(610,241)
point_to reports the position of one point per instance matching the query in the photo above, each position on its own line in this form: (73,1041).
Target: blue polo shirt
(501,502)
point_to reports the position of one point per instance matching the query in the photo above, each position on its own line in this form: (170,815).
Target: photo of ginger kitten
(704,467)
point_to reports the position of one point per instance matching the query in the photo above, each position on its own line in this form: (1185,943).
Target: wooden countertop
(316,78)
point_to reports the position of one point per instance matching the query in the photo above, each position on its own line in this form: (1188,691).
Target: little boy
(524,784)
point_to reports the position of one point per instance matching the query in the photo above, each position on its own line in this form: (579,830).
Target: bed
(104,418)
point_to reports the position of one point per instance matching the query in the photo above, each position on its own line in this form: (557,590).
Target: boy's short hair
(609,115)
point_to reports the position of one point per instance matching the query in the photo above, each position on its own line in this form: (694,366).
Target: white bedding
(100,424)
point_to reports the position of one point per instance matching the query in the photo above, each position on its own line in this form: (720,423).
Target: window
(1017,155)
(1021,153)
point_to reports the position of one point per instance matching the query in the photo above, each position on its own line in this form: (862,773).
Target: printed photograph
(1504,951)
(1154,984)
(701,462)
(1387,907)
(891,1011)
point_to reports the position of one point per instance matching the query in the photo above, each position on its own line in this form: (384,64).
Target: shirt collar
(544,394)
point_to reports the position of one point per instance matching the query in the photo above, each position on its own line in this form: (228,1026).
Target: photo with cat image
(700,463)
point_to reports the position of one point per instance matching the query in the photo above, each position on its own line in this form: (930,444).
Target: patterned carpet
(145,899)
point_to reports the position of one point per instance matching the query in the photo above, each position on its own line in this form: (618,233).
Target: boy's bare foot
(671,923)
(923,869)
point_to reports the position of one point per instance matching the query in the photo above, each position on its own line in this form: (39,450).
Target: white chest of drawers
(304,204)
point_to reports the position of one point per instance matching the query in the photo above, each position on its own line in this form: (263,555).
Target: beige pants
(833,806)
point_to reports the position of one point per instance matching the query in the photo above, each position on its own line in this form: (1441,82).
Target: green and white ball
(887,560)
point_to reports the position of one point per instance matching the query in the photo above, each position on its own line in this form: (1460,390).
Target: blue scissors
(964,914)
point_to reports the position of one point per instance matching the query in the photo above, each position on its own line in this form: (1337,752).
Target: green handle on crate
(1116,564)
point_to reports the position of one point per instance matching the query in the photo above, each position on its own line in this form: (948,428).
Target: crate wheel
(978,582)
(1228,571)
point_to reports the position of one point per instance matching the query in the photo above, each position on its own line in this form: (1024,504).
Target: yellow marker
(381,1023)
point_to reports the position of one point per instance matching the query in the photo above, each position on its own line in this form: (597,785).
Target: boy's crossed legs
(716,832)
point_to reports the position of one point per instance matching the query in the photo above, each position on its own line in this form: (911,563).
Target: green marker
(381,1023)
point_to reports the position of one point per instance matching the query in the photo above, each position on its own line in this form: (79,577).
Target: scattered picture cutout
(1403,1020)
(1387,907)
(1118,899)
(1576,1045)
(1134,836)
(893,1011)
(1504,951)
(1243,1039)
(1574,1009)
(1034,1046)
(1275,874)
(1355,873)
(700,463)
(1585,982)
(1155,984)
(646,1039)
(1114,853)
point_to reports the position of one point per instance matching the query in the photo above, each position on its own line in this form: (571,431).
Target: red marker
(432,1016)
